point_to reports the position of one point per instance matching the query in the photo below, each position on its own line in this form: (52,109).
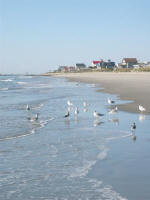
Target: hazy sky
(39,35)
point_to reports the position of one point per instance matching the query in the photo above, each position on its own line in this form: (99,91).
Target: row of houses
(101,64)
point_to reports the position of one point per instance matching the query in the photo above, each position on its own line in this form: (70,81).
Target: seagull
(96,114)
(111,101)
(32,119)
(76,111)
(27,107)
(67,114)
(69,103)
(85,110)
(85,104)
(141,108)
(114,110)
(133,126)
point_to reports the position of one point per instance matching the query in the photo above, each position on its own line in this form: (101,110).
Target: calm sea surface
(78,158)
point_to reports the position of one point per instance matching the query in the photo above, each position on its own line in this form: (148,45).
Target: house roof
(80,65)
(130,60)
(97,61)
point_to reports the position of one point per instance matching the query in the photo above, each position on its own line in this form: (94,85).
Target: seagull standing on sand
(27,107)
(110,101)
(69,103)
(141,108)
(96,114)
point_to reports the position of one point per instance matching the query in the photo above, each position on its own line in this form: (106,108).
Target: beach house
(129,62)
(80,66)
(97,63)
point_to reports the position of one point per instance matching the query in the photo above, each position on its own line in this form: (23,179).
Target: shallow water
(75,158)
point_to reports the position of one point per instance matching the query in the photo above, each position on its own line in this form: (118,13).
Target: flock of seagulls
(95,113)
(99,115)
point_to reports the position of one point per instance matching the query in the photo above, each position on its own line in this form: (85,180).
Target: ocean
(73,158)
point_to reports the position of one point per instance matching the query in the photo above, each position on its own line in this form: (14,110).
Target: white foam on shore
(38,106)
(105,192)
(83,170)
(38,86)
(18,136)
(102,155)
(109,193)
(127,134)
(6,80)
(4,89)
(21,83)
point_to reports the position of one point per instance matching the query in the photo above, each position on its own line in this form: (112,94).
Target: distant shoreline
(132,86)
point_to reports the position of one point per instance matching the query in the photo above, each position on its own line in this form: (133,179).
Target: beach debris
(110,101)
(97,115)
(141,108)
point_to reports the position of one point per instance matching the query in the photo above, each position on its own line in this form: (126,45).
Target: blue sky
(39,35)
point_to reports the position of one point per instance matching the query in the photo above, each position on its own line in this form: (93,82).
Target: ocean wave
(83,170)
(127,134)
(4,89)
(21,83)
(38,86)
(102,155)
(105,192)
(6,80)
(18,136)
(23,77)
(38,106)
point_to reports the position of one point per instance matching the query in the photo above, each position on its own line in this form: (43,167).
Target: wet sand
(132,86)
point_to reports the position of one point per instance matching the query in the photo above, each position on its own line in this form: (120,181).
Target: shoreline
(129,86)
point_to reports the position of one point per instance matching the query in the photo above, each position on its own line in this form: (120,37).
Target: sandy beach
(132,86)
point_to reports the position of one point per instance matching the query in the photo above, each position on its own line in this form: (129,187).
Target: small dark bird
(67,114)
(133,126)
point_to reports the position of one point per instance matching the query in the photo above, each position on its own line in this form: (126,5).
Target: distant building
(80,66)
(108,65)
(97,63)
(63,69)
(129,62)
(66,69)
